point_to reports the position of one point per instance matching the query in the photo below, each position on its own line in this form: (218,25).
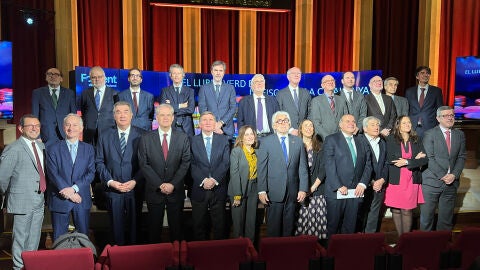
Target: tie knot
(33,144)
(422,89)
(330,97)
(54,90)
(349,139)
(165,135)
(122,134)
(283,138)
(208,139)
(447,132)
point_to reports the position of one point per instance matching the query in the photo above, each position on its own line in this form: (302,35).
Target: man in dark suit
(355,101)
(182,100)
(71,169)
(140,101)
(401,104)
(51,104)
(97,106)
(164,157)
(348,169)
(375,193)
(257,110)
(210,164)
(327,109)
(424,99)
(445,149)
(282,175)
(219,98)
(294,99)
(22,183)
(381,106)
(117,165)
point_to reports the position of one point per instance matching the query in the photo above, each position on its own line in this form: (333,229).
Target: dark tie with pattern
(332,103)
(43,182)
(135,101)
(208,147)
(165,146)
(54,97)
(259,115)
(217,90)
(123,142)
(97,99)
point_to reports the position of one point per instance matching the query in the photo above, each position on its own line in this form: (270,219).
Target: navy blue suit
(246,111)
(428,112)
(183,117)
(50,117)
(96,121)
(202,199)
(223,108)
(143,117)
(111,164)
(341,171)
(63,173)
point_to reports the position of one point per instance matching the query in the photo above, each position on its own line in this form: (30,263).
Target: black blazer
(379,167)
(317,171)
(394,152)
(373,109)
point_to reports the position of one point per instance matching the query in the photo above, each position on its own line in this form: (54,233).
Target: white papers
(350,195)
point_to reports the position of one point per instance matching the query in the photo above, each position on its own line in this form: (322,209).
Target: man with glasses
(51,104)
(282,176)
(23,183)
(327,109)
(181,98)
(257,110)
(380,106)
(140,101)
(445,149)
(97,106)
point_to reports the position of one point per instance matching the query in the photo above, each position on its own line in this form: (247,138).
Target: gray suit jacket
(438,158)
(275,176)
(358,109)
(401,104)
(285,101)
(324,120)
(239,172)
(19,177)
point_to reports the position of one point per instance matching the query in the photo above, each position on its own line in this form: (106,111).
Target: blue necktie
(123,142)
(208,147)
(73,152)
(259,115)
(97,99)
(284,148)
(217,90)
(352,150)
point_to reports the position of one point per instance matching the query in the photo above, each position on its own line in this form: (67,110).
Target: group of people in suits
(320,166)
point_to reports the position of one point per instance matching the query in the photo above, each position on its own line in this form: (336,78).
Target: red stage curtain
(459,36)
(275,41)
(219,38)
(100,33)
(395,37)
(163,37)
(332,35)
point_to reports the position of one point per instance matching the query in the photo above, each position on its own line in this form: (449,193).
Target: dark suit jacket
(142,118)
(339,167)
(358,109)
(62,173)
(428,112)
(439,160)
(401,104)
(380,165)
(394,152)
(183,117)
(217,168)
(317,171)
(285,102)
(96,121)
(373,109)
(50,117)
(274,176)
(246,111)
(111,164)
(224,108)
(157,170)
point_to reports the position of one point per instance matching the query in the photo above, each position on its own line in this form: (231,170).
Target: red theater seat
(358,251)
(287,253)
(421,249)
(467,244)
(71,259)
(219,254)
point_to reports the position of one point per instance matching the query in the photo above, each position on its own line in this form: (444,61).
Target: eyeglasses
(261,81)
(328,81)
(283,121)
(136,75)
(96,77)
(53,74)
(32,126)
(448,115)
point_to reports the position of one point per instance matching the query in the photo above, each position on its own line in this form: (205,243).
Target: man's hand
(378,184)
(67,192)
(218,131)
(359,190)
(76,198)
(343,190)
(183,105)
(448,178)
(209,183)
(129,185)
(263,197)
(294,132)
(301,196)
(385,132)
(355,131)
(166,188)
(218,125)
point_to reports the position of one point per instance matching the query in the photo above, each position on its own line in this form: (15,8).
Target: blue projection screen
(6,91)
(467,88)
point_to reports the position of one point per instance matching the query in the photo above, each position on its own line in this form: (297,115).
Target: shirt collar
(161,132)
(126,131)
(370,139)
(133,91)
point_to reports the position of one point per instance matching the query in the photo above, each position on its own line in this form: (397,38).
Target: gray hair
(164,105)
(443,108)
(219,63)
(385,82)
(368,119)
(280,113)
(176,66)
(122,103)
(208,113)
(74,115)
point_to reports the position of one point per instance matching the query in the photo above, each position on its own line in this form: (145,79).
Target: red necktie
(447,140)
(165,146)
(135,102)
(43,181)
(332,103)
(422,97)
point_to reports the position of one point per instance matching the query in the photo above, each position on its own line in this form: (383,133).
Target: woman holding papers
(312,219)
(407,157)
